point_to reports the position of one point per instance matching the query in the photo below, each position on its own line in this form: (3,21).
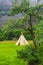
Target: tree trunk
(33,37)
(32,32)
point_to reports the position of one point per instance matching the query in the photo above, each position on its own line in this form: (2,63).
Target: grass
(8,53)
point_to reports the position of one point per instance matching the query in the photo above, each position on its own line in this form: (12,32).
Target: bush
(34,56)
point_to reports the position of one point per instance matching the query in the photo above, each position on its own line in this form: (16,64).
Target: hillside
(3,19)
(5,6)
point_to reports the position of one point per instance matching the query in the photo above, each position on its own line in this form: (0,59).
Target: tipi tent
(22,40)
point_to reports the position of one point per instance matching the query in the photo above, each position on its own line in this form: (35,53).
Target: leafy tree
(10,30)
(39,32)
(7,31)
(32,14)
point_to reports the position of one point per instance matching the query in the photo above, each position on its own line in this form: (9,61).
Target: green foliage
(0,35)
(25,8)
(7,32)
(33,15)
(18,8)
(13,28)
(32,55)
(39,32)
(8,54)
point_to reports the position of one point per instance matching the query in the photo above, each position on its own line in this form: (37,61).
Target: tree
(33,14)
(13,28)
(7,32)
(39,32)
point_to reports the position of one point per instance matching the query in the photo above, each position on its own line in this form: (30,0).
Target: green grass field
(8,53)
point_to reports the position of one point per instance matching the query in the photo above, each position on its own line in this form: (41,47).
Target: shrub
(34,56)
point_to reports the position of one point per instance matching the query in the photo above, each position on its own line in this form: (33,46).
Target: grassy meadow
(8,53)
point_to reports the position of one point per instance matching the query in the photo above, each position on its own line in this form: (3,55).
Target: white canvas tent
(22,40)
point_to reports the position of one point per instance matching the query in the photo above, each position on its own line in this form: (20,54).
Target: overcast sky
(35,1)
(10,1)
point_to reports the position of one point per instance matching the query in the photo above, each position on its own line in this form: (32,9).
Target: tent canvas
(22,40)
